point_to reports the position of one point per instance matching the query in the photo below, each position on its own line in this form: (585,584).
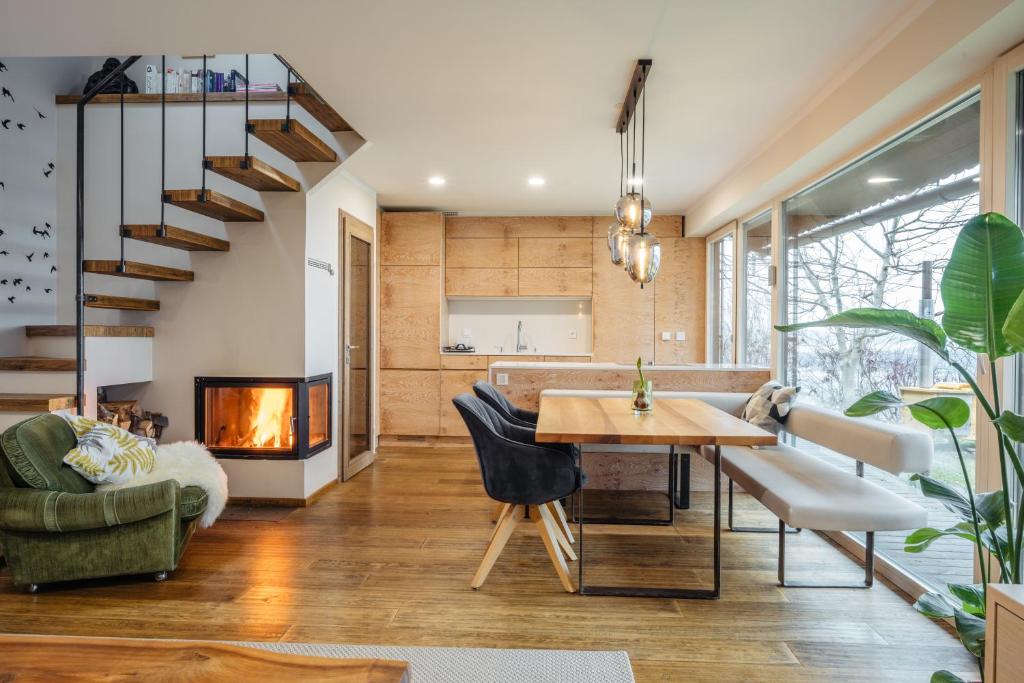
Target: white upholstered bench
(804,491)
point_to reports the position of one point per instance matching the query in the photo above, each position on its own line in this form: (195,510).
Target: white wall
(28,198)
(338,192)
(548,325)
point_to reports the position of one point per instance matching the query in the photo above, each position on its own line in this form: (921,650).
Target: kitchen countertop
(521,353)
(625,366)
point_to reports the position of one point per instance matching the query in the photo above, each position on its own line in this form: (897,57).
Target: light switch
(502,379)
(572,334)
(467,333)
(666,336)
(680,335)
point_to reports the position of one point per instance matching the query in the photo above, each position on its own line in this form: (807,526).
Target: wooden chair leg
(546,525)
(500,537)
(564,542)
(506,508)
(496,514)
(563,522)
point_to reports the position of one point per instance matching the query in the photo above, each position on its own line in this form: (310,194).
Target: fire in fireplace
(246,417)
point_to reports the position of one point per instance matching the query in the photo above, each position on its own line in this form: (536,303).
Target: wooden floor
(387,559)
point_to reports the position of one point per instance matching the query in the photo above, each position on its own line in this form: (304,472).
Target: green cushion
(193,502)
(34,452)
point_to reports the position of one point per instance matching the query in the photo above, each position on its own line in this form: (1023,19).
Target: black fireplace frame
(300,410)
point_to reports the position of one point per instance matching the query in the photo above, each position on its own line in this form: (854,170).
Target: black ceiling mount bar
(80,229)
(633,92)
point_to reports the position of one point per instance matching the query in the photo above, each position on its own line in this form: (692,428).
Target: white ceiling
(488,93)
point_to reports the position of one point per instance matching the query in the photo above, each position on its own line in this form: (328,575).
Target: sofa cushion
(107,454)
(193,502)
(769,406)
(807,492)
(34,451)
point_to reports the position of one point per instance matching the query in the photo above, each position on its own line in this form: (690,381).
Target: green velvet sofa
(54,526)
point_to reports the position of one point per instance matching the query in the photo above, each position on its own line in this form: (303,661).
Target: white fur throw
(190,464)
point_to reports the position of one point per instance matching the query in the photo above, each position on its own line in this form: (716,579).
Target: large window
(878,234)
(755,321)
(722,296)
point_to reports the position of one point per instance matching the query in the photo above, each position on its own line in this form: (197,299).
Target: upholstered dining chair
(490,395)
(521,476)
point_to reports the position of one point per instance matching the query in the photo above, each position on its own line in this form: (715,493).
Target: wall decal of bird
(2,233)
(17,281)
(3,67)
(3,282)
(11,299)
(29,256)
(2,185)
(4,92)
(46,254)
(41,114)
(48,290)
(21,126)
(53,269)
(6,123)
(28,288)
(4,252)
(47,173)
(42,233)
(50,164)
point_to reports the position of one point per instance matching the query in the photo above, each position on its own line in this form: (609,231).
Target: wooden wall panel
(563,252)
(555,281)
(410,402)
(481,253)
(410,316)
(411,238)
(455,361)
(481,281)
(679,302)
(462,227)
(453,383)
(623,313)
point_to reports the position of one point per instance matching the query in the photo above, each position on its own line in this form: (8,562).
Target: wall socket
(572,334)
(666,336)
(680,335)
(502,379)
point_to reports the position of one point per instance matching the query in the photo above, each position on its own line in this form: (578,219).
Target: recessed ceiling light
(535,181)
(881,179)
(437,181)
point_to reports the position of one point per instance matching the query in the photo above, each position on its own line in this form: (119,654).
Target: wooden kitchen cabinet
(469,227)
(453,383)
(555,252)
(623,313)
(413,238)
(410,402)
(1004,634)
(481,253)
(555,282)
(514,359)
(679,305)
(455,361)
(410,317)
(481,281)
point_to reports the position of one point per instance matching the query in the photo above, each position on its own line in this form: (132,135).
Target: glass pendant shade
(618,243)
(643,257)
(630,210)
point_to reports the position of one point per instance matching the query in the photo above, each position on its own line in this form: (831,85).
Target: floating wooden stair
(35,403)
(138,271)
(292,139)
(253,173)
(178,238)
(90,331)
(121,303)
(315,105)
(214,205)
(36,364)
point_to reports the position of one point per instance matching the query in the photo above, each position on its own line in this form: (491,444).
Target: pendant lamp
(643,251)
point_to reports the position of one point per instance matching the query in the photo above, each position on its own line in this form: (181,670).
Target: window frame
(711,285)
(740,309)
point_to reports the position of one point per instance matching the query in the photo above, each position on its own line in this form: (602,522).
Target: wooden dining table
(673,422)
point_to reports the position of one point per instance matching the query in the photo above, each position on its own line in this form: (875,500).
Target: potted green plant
(643,393)
(983,299)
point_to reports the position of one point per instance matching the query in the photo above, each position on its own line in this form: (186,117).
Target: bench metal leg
(752,529)
(869,565)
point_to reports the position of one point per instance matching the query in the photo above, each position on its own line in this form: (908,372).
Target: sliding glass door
(755,315)
(878,233)
(721,303)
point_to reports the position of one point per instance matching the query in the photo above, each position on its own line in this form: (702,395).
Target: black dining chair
(490,395)
(521,475)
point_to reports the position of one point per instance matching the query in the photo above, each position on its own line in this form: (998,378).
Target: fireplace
(260,417)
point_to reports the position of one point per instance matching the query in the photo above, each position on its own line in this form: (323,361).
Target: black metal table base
(672,593)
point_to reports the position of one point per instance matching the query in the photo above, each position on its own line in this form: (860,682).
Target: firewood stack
(129,415)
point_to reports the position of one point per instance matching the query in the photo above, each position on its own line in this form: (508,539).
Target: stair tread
(90,331)
(259,175)
(215,205)
(177,238)
(321,111)
(297,143)
(37,364)
(138,271)
(35,403)
(121,303)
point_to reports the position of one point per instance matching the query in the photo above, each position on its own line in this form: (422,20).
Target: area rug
(480,665)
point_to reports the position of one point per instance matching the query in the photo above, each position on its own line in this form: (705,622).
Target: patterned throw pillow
(106,454)
(769,406)
(79,424)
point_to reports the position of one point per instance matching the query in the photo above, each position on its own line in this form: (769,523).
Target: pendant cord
(643,157)
(633,179)
(622,167)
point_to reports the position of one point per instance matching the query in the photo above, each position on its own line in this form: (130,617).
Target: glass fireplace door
(357,339)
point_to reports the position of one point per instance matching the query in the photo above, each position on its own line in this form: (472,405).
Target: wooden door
(356,406)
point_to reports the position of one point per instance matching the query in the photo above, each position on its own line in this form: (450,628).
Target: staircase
(44,379)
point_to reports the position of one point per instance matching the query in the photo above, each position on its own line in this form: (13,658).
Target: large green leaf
(971,630)
(1012,425)
(905,323)
(919,540)
(874,403)
(1013,328)
(952,498)
(991,507)
(932,412)
(934,605)
(945,676)
(972,595)
(982,281)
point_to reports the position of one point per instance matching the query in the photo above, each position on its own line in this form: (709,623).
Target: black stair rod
(245,127)
(120,229)
(202,193)
(163,143)
(80,230)
(288,98)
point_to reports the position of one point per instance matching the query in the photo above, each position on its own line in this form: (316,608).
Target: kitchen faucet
(520,346)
